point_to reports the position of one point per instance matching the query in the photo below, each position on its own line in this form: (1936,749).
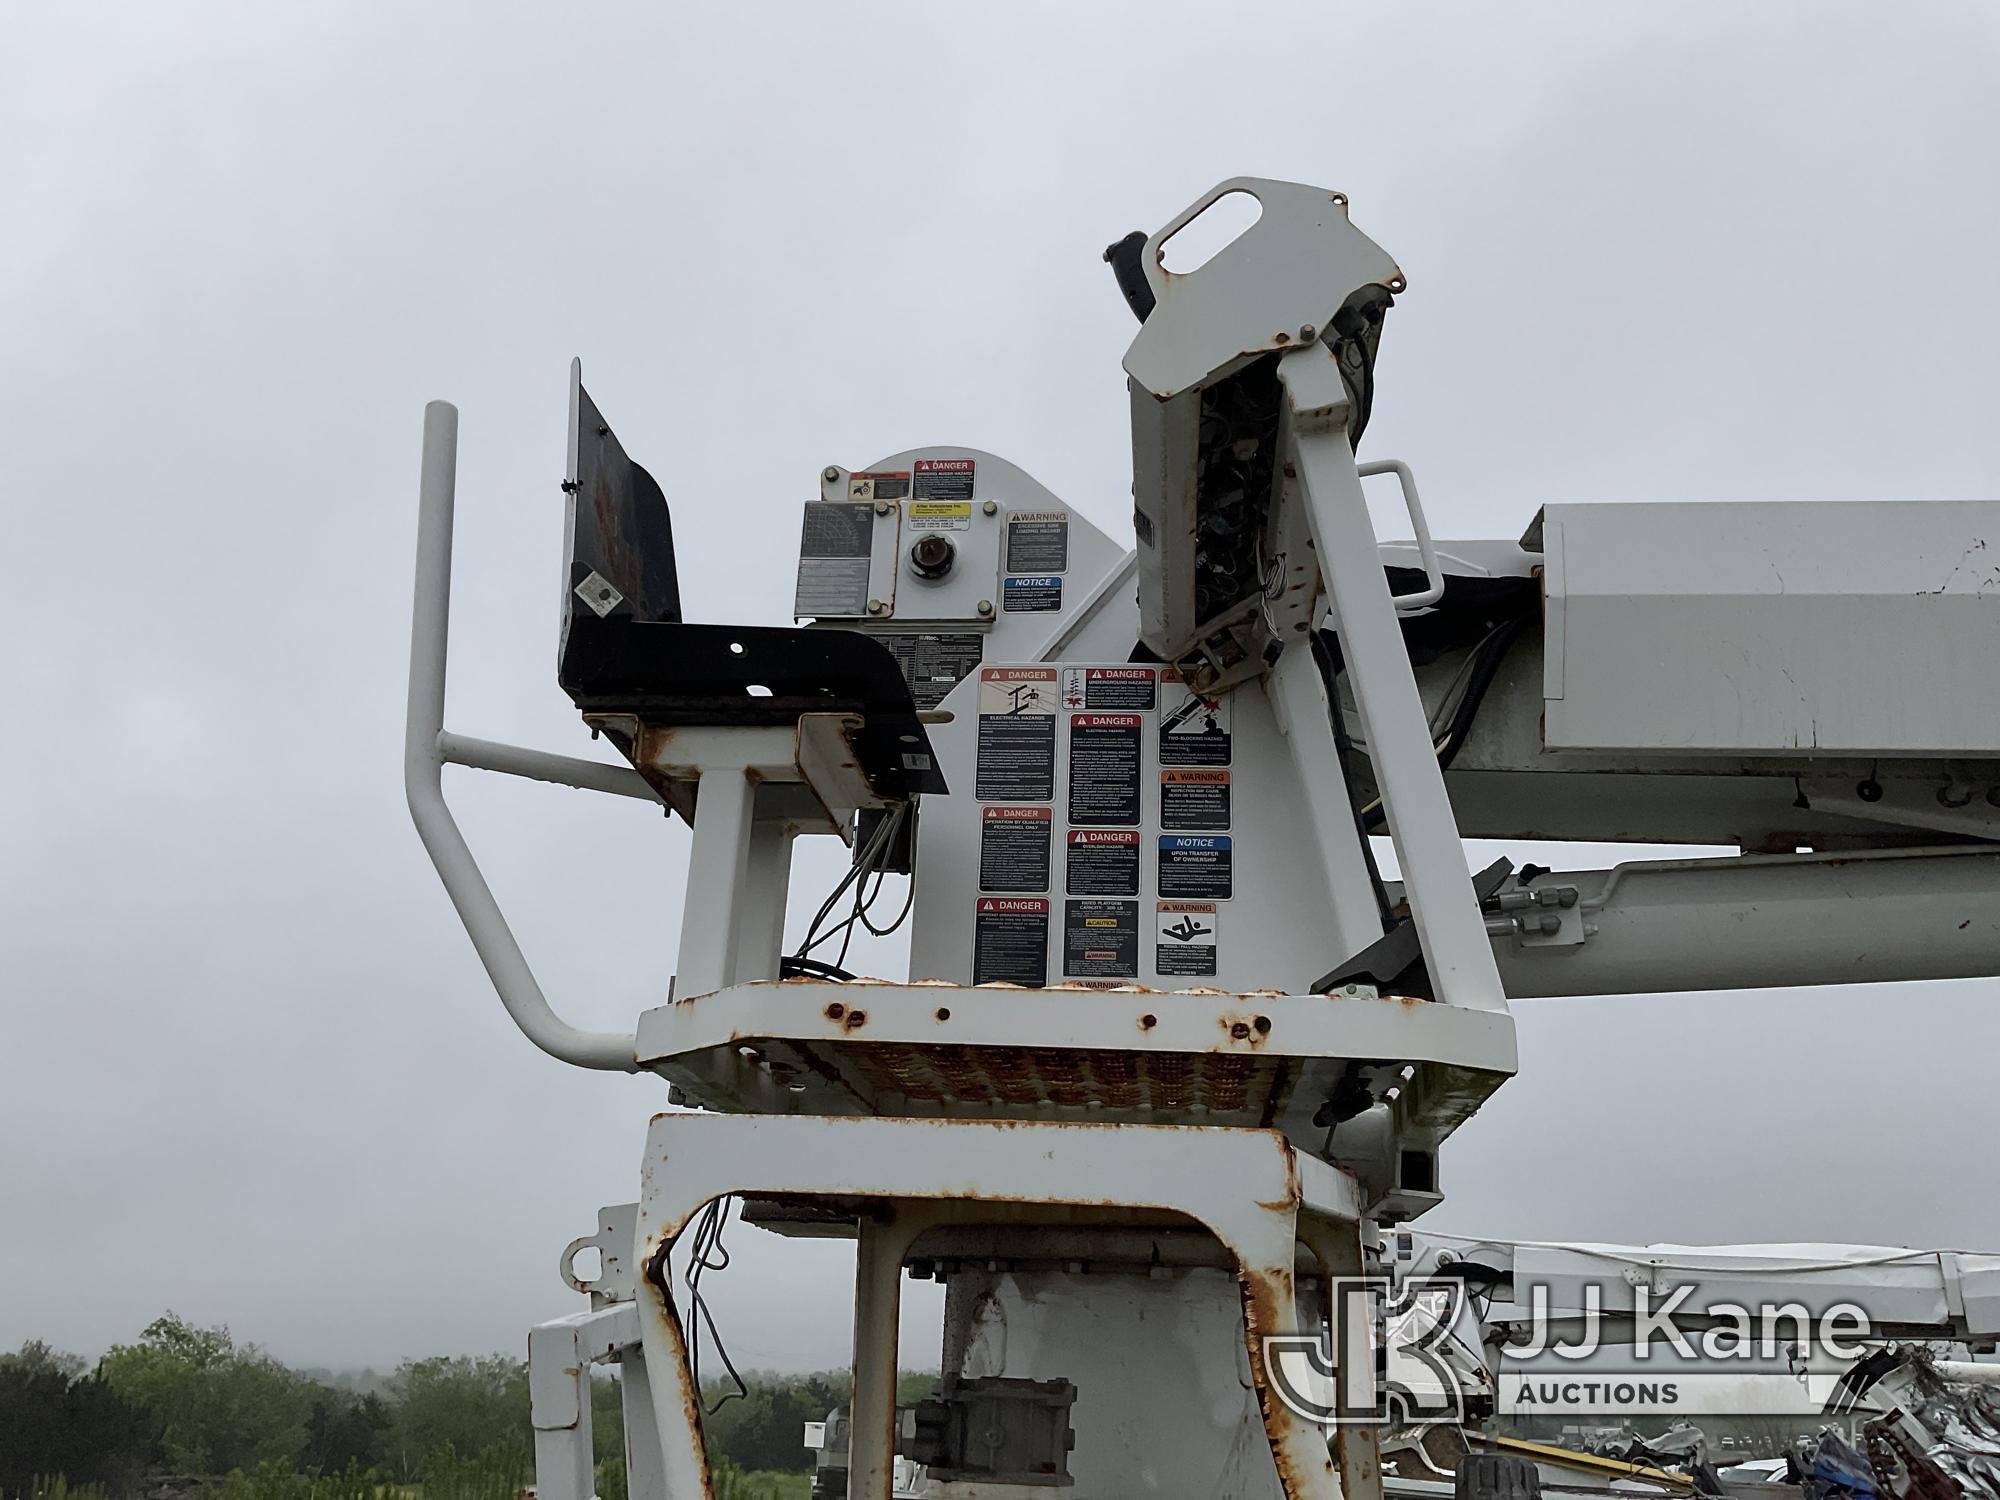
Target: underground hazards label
(938,515)
(942,479)
(1033,594)
(888,484)
(833,559)
(1010,940)
(1194,800)
(1101,939)
(934,664)
(1184,938)
(1194,729)
(1014,848)
(1129,688)
(1037,541)
(1017,734)
(1195,865)
(1104,755)
(1101,862)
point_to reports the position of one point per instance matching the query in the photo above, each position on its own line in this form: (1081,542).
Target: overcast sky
(250,1068)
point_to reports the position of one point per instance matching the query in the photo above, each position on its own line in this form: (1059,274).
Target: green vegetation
(188,1408)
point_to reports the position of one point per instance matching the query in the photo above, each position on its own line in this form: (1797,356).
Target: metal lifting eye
(932,556)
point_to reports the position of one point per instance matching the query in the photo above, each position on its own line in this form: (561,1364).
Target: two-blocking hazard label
(1185,938)
(1010,940)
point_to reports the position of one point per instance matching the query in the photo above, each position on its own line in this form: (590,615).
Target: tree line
(189,1403)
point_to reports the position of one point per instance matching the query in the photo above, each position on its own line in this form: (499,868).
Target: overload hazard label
(1102,862)
(935,664)
(1129,688)
(834,545)
(1037,541)
(1184,938)
(886,484)
(1017,734)
(941,479)
(1010,940)
(1194,729)
(1104,755)
(1101,939)
(1032,594)
(938,515)
(1195,865)
(1197,800)
(1014,848)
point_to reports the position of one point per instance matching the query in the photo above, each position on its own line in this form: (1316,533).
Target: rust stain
(856,1019)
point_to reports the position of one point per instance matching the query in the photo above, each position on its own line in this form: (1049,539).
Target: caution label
(1010,940)
(935,664)
(1101,939)
(941,479)
(1037,541)
(938,515)
(1185,938)
(887,484)
(1196,865)
(1194,800)
(1031,594)
(834,545)
(1128,688)
(1014,848)
(1102,862)
(1104,755)
(1194,729)
(1017,735)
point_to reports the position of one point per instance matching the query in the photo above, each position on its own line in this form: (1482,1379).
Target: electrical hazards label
(1031,594)
(1014,848)
(941,479)
(1010,940)
(1104,756)
(1196,865)
(934,664)
(1101,939)
(1194,728)
(1129,688)
(1184,938)
(1037,541)
(833,559)
(1017,734)
(1196,800)
(1102,862)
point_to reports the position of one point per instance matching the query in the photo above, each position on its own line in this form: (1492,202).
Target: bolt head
(830,474)
(881,507)
(1307,333)
(985,606)
(991,507)
(875,606)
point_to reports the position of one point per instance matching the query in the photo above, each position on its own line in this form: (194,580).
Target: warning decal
(1010,940)
(833,559)
(885,485)
(1194,730)
(1184,938)
(938,515)
(1104,756)
(1037,541)
(1101,939)
(942,479)
(1017,734)
(1197,800)
(1128,688)
(1195,865)
(1014,848)
(934,664)
(1102,862)
(1034,594)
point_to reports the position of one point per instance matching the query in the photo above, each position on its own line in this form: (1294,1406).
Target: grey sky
(251,1069)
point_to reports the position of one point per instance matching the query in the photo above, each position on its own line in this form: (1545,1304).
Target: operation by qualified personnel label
(1014,848)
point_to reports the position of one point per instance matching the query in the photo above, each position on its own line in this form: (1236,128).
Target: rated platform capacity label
(1101,939)
(1010,940)
(1102,862)
(1196,865)
(1194,800)
(1014,848)
(1105,751)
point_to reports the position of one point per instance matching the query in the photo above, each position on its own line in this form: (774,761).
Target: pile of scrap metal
(1936,1435)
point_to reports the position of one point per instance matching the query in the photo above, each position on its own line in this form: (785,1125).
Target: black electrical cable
(1343,753)
(703,1252)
